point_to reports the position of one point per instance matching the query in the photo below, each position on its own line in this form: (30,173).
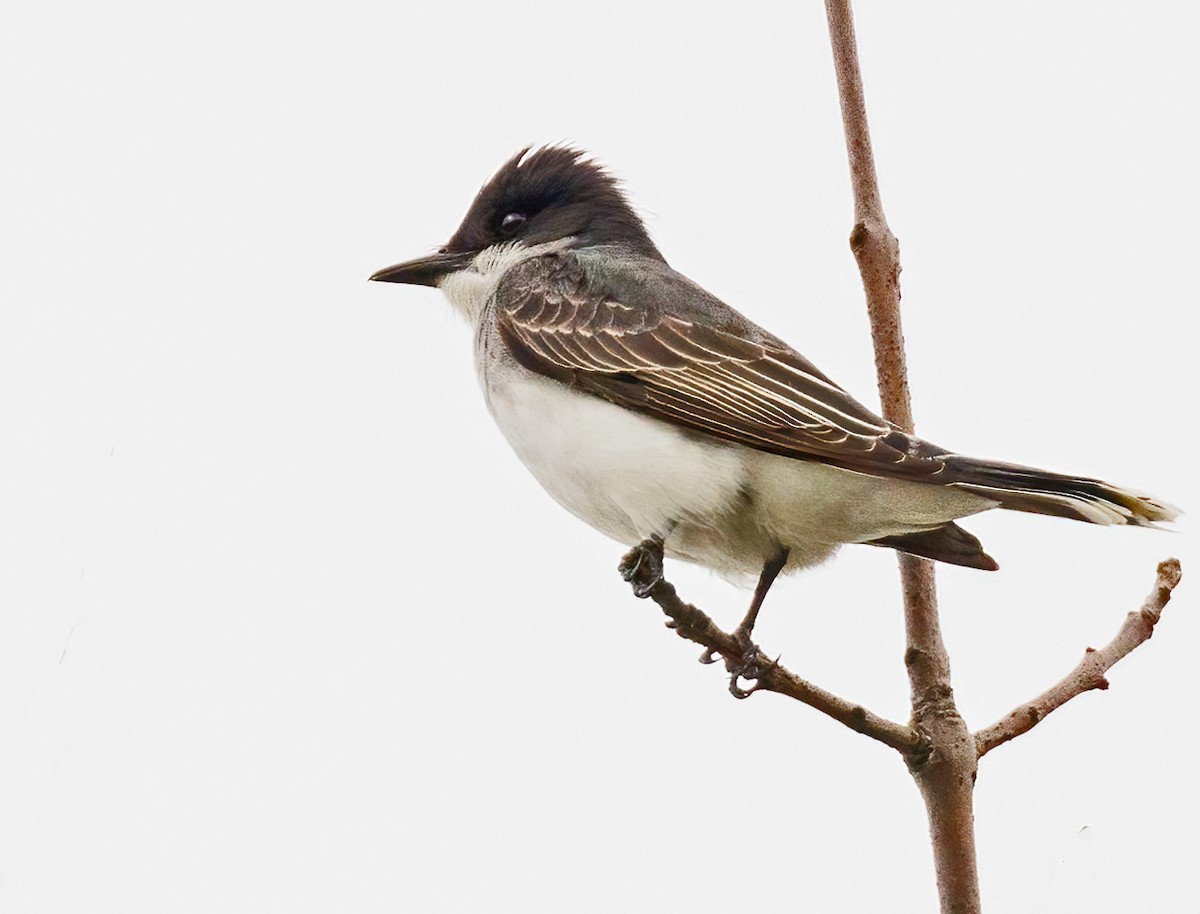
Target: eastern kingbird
(654,411)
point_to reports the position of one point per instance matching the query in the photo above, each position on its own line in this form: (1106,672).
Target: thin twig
(769,675)
(1089,674)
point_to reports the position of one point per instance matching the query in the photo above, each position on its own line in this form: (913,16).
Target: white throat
(469,289)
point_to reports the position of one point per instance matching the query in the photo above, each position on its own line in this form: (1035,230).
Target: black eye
(512,223)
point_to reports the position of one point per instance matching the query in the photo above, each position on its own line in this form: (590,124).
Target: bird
(664,418)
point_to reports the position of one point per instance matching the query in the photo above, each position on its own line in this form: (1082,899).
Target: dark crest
(549,194)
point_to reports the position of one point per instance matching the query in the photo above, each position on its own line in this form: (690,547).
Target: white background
(286,627)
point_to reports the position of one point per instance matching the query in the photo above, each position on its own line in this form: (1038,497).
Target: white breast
(627,475)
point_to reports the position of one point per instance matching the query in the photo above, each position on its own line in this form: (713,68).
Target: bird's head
(540,196)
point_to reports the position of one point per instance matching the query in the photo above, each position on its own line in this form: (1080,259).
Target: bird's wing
(654,342)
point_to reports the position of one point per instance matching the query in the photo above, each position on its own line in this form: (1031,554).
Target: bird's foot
(745,663)
(751,667)
(642,566)
(741,663)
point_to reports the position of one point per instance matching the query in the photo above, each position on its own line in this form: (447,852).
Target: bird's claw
(752,667)
(642,566)
(737,691)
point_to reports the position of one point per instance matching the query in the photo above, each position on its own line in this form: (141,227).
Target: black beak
(425,271)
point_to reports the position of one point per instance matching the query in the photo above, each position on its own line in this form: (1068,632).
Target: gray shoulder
(648,283)
(651,285)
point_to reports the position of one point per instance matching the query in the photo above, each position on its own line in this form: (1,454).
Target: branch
(1089,674)
(875,248)
(947,777)
(878,256)
(644,572)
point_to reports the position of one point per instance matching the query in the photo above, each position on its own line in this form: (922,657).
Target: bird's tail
(1021,488)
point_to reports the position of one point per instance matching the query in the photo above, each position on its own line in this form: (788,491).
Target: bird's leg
(770,571)
(750,664)
(741,666)
(642,566)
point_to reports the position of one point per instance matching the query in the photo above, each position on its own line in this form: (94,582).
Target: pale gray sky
(286,627)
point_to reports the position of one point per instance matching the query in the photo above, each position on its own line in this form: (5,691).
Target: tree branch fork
(642,568)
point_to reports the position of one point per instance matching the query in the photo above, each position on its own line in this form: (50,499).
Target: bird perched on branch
(658,414)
